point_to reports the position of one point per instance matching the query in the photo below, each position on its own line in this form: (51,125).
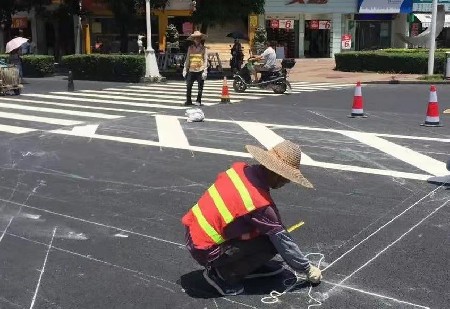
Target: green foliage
(35,65)
(213,12)
(407,62)
(122,68)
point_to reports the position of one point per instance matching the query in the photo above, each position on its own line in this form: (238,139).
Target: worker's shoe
(267,270)
(225,288)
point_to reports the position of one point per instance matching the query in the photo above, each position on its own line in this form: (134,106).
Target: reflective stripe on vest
(206,227)
(243,192)
(222,208)
(220,205)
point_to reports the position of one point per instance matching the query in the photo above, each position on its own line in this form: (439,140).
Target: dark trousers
(241,257)
(190,79)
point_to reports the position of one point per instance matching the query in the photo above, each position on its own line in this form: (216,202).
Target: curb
(406,82)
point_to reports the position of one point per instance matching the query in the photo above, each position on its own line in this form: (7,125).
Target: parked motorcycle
(275,80)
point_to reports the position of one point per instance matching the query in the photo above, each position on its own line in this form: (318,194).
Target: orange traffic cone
(357,108)
(432,119)
(225,92)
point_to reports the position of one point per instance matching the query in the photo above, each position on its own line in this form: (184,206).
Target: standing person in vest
(195,67)
(235,229)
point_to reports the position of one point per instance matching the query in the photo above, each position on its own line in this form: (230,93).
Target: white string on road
(6,228)
(382,227)
(43,268)
(93,222)
(394,242)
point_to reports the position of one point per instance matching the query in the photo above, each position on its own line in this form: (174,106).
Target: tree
(125,12)
(213,12)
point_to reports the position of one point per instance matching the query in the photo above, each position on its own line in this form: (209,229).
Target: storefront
(377,22)
(311,28)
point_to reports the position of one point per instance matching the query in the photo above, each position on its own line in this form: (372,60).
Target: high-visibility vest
(231,196)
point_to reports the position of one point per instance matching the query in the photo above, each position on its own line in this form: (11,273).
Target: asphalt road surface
(92,194)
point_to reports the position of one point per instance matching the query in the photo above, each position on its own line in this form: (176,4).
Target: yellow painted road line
(295,226)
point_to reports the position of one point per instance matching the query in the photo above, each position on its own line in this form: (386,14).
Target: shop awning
(425,19)
(385,6)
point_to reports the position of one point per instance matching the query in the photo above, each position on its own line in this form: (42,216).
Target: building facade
(321,28)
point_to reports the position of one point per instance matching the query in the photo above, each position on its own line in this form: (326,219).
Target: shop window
(372,35)
(287,38)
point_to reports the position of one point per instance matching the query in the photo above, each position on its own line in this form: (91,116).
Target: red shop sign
(314,24)
(274,23)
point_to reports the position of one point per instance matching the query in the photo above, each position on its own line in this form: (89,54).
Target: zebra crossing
(54,109)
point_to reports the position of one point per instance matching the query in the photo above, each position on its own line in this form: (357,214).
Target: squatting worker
(195,67)
(235,230)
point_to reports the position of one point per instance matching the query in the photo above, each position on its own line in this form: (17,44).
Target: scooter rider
(270,59)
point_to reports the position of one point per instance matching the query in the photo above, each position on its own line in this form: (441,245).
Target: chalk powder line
(293,227)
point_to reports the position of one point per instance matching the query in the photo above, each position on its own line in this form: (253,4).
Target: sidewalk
(322,70)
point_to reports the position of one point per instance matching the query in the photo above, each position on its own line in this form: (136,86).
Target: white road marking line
(88,129)
(305,160)
(268,138)
(70,98)
(39,119)
(215,90)
(82,106)
(150,92)
(15,130)
(115,97)
(59,111)
(144,96)
(43,269)
(423,162)
(283,126)
(381,227)
(421,138)
(170,132)
(263,134)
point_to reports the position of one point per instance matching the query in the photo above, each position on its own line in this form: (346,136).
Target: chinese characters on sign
(346,41)
(320,24)
(19,23)
(282,24)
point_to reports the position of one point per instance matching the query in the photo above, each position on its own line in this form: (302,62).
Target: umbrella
(14,44)
(237,35)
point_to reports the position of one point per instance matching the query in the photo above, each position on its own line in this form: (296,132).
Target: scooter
(275,80)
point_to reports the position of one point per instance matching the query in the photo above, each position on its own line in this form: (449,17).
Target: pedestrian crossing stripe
(43,111)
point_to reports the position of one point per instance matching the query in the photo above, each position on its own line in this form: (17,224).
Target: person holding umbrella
(195,67)
(14,49)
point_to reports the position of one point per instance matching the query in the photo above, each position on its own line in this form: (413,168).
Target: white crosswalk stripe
(32,112)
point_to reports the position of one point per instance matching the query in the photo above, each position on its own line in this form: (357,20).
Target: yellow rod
(295,226)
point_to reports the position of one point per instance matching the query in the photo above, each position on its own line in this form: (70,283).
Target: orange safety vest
(231,196)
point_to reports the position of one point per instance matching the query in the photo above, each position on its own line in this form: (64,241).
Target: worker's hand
(184,73)
(314,274)
(204,75)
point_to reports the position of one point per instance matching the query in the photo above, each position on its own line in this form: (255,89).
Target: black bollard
(70,85)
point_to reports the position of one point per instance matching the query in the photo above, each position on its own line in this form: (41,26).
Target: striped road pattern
(49,111)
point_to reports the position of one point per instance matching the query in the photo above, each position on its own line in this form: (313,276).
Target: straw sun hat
(197,34)
(283,159)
